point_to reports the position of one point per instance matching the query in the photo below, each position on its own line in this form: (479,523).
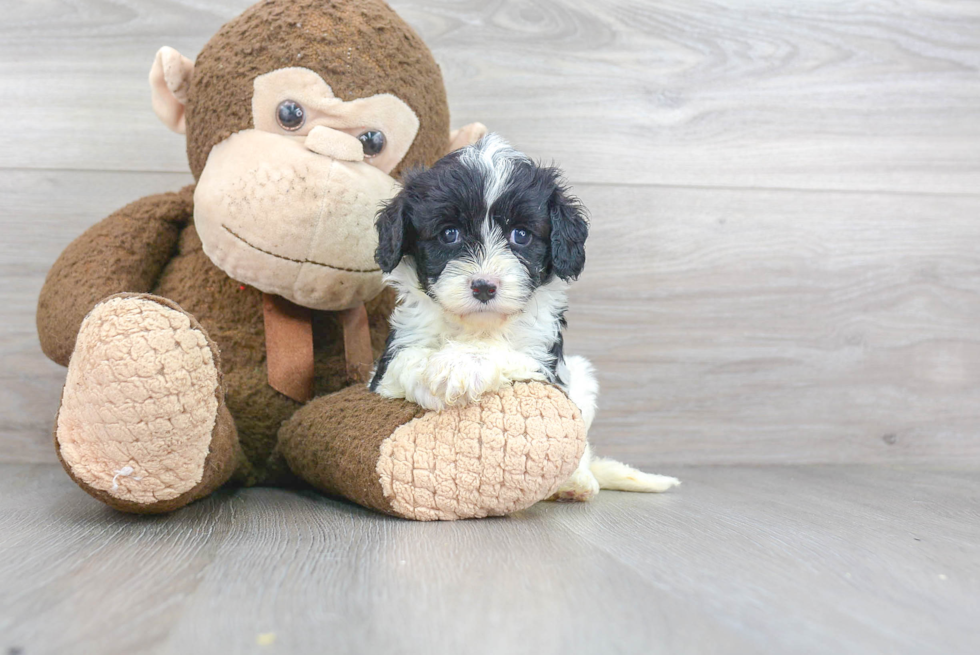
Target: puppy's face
(482,229)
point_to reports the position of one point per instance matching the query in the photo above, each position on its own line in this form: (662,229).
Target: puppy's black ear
(392,224)
(569,229)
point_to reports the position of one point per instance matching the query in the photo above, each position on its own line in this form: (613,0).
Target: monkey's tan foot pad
(502,454)
(140,403)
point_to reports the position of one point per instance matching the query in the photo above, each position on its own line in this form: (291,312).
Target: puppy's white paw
(456,378)
(579,488)
(423,396)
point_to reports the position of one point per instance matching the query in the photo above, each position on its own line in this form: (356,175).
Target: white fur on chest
(442,359)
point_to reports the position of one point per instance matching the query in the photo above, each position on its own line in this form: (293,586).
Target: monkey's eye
(373,142)
(290,115)
(449,236)
(520,237)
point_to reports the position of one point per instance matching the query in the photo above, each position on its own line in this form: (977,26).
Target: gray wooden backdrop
(785,194)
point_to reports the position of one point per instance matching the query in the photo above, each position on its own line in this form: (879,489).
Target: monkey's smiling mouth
(299,261)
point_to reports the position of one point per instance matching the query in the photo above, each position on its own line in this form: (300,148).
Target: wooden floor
(782,299)
(818,559)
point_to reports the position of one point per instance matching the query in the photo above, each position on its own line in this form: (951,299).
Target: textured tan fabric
(491,458)
(331,116)
(170,78)
(329,142)
(273,214)
(140,401)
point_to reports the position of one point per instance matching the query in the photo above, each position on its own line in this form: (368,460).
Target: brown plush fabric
(359,48)
(334,443)
(125,252)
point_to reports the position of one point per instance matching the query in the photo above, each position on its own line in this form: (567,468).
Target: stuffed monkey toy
(224,333)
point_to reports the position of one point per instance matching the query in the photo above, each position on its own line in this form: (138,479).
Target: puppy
(480,249)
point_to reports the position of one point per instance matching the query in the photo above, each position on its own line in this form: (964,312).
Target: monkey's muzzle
(288,220)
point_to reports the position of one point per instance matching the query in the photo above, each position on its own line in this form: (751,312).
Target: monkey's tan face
(289,206)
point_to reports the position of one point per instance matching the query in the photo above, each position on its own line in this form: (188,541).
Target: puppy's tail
(621,477)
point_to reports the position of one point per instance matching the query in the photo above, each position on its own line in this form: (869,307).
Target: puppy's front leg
(404,377)
(459,375)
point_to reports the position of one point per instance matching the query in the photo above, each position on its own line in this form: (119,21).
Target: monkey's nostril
(483,290)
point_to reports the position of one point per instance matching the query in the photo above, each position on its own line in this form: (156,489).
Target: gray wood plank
(42,212)
(317,573)
(737,560)
(780,93)
(727,326)
(741,326)
(811,559)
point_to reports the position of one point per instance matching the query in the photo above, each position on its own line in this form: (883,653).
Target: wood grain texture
(778,93)
(727,326)
(747,326)
(737,560)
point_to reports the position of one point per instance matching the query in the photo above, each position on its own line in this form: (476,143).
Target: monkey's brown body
(168,393)
(229,311)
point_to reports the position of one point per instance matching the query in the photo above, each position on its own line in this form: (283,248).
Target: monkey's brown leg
(503,454)
(143,425)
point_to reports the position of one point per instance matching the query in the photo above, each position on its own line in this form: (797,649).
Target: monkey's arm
(124,252)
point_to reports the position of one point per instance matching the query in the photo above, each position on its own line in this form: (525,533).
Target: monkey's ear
(170,78)
(466,136)
(569,229)
(393,224)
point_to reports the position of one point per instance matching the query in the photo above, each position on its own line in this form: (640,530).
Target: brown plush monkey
(223,332)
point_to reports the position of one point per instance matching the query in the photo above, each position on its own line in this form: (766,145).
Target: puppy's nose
(333,143)
(483,290)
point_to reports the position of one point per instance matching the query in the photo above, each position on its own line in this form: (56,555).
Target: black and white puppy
(480,249)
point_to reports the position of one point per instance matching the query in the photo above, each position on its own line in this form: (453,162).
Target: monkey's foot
(142,425)
(499,455)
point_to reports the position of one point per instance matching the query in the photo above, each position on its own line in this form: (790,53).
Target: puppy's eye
(290,115)
(373,142)
(449,236)
(520,237)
